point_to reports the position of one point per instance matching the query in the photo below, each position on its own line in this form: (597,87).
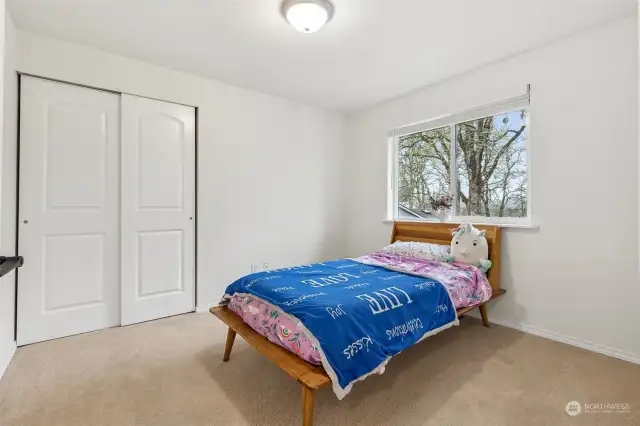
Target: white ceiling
(372,50)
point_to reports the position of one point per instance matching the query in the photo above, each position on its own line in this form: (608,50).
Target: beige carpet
(169,372)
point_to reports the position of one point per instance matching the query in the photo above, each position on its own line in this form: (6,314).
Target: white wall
(576,277)
(273,174)
(8,126)
(269,169)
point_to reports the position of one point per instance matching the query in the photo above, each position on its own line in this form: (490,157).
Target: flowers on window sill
(441,206)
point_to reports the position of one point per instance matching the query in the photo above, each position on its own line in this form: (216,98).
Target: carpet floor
(169,372)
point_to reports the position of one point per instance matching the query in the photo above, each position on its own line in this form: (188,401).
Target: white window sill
(502,225)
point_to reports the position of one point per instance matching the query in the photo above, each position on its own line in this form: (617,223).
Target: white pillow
(425,251)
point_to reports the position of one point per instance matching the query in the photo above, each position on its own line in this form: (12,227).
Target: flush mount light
(307,16)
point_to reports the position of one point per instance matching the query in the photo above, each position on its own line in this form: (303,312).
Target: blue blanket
(360,315)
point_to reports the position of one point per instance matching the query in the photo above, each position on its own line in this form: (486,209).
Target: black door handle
(8,264)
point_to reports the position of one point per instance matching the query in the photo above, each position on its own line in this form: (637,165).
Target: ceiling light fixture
(307,16)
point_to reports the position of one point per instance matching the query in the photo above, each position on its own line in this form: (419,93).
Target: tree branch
(504,148)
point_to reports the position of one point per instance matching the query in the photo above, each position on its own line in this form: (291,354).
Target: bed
(312,376)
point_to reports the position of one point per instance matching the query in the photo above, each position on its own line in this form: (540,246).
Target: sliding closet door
(69,212)
(158,197)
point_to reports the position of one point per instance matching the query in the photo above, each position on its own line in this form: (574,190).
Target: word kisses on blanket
(469,246)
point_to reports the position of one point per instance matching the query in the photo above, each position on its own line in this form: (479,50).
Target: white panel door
(158,197)
(68,212)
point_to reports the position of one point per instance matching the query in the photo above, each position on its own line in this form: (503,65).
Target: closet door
(158,196)
(68,212)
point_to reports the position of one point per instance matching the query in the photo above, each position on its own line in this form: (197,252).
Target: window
(478,158)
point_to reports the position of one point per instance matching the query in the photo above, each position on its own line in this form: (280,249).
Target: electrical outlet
(265,266)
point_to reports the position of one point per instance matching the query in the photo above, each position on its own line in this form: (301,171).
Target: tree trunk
(475,193)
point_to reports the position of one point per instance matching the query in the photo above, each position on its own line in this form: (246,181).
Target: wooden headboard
(440,233)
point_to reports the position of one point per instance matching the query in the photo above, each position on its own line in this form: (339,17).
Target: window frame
(451,120)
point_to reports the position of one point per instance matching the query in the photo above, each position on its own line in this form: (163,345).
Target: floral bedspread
(282,331)
(467,284)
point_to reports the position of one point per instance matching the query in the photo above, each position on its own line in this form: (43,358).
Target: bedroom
(293,165)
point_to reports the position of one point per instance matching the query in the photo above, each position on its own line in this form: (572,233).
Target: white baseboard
(204,308)
(563,338)
(5,358)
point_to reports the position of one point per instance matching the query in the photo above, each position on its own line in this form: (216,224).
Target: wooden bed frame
(313,377)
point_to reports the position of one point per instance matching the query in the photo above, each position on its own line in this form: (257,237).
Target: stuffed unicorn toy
(469,246)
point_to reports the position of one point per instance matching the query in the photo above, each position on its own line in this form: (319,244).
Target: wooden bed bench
(313,377)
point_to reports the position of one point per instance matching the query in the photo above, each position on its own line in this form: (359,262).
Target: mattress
(266,320)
